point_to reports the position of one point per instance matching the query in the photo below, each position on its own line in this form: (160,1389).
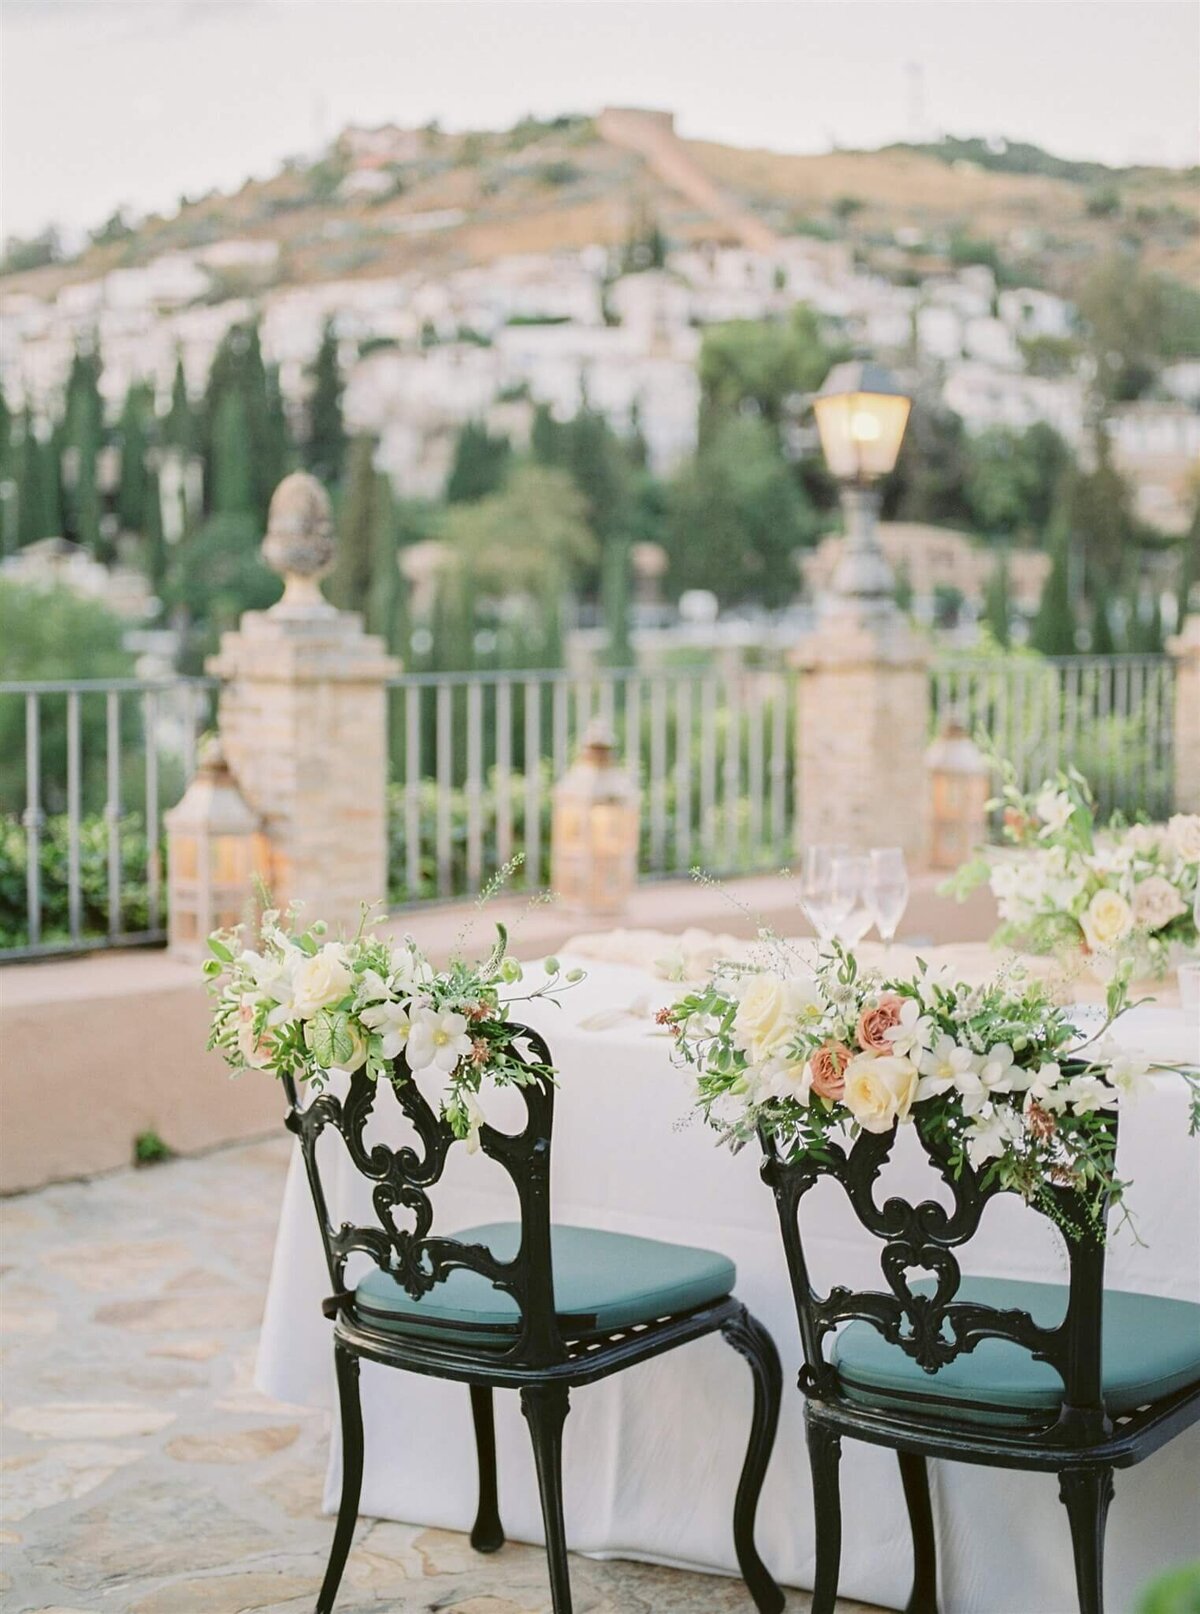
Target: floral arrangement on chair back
(301,1006)
(1064,885)
(996,1076)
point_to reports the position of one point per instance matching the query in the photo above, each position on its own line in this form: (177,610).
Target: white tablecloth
(653,1454)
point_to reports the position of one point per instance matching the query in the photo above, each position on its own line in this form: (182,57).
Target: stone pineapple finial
(299,544)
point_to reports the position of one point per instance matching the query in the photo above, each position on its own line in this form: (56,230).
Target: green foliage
(1012,478)
(38,513)
(180,429)
(238,372)
(83,436)
(480,464)
(1100,516)
(150,1150)
(1135,320)
(1102,641)
(1053,631)
(325,441)
(531,537)
(997,602)
(232,469)
(614,595)
(220,575)
(929,482)
(1177,1592)
(133,431)
(364,514)
(737,518)
(32,252)
(758,367)
(53,861)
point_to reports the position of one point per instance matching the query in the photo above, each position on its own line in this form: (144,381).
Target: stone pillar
(1185,650)
(863,709)
(303,722)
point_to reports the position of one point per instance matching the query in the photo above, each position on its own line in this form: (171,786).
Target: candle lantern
(960,782)
(595,829)
(215,848)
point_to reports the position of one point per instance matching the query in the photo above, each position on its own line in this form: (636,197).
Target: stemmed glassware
(888,894)
(816,887)
(850,904)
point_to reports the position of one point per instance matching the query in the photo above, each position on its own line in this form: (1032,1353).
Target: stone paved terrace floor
(144,1474)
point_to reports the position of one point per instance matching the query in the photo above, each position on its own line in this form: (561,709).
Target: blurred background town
(558,378)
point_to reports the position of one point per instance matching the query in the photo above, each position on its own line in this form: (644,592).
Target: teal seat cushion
(603,1282)
(1151,1349)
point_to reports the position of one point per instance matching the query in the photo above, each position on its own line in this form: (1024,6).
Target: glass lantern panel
(861,432)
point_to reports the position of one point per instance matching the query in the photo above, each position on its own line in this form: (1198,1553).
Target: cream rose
(1183,832)
(321,980)
(879,1090)
(1107,919)
(766,1016)
(1156,902)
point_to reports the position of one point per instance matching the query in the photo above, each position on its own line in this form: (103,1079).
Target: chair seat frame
(1080,1442)
(538,1361)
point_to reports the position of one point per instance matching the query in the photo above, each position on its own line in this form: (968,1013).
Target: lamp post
(861,415)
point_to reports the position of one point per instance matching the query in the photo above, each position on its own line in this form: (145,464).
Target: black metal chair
(521,1305)
(1066,1379)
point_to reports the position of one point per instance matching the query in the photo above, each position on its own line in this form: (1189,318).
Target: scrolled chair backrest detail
(416,1257)
(934,1329)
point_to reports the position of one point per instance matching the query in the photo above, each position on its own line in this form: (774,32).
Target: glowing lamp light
(595,827)
(215,848)
(861,415)
(960,784)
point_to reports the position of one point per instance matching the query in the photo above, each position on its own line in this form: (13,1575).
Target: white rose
(767,1014)
(1156,902)
(321,980)
(879,1090)
(1107,918)
(784,1078)
(1183,832)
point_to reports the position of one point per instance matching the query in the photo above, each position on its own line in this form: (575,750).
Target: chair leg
(1086,1493)
(824,1455)
(751,1340)
(545,1407)
(914,1475)
(346,1363)
(488,1533)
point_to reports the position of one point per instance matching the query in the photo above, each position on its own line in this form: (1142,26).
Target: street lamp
(861,415)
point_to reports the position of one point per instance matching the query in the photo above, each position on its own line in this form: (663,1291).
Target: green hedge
(93,878)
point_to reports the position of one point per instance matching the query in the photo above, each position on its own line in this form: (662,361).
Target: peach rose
(875,1023)
(829,1070)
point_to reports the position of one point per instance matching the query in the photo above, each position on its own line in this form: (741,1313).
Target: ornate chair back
(934,1329)
(418,1258)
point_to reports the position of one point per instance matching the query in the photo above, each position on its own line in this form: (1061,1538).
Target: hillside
(383,202)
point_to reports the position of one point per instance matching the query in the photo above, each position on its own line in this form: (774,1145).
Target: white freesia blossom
(437,1040)
(992,1134)
(1054,808)
(390,1022)
(911,1038)
(999,1071)
(1129,1074)
(943,1067)
(475,1119)
(1088,1092)
(321,980)
(410,971)
(1047,1089)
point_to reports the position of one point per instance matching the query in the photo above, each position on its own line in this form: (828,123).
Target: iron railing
(86,770)
(1111,717)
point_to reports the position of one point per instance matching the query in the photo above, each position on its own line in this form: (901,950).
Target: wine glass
(850,906)
(816,888)
(888,889)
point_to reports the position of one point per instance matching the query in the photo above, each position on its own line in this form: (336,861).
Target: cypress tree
(480,464)
(325,439)
(614,594)
(154,545)
(31,491)
(1103,643)
(1053,630)
(132,490)
(1189,567)
(997,606)
(545,437)
(179,430)
(232,470)
(83,439)
(358,520)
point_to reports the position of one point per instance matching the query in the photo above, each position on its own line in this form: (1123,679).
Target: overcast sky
(110,102)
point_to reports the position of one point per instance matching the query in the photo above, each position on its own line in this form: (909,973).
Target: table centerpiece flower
(1064,885)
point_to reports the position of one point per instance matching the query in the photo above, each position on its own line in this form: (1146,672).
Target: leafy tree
(737,518)
(1053,631)
(997,602)
(1012,479)
(480,464)
(756,367)
(221,574)
(532,537)
(1103,642)
(37,485)
(54,633)
(325,440)
(233,491)
(1102,520)
(133,488)
(1124,314)
(929,482)
(238,369)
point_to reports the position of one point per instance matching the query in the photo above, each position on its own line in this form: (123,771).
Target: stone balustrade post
(303,722)
(1185,651)
(863,712)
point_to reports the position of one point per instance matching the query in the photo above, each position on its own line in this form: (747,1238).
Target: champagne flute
(888,891)
(849,904)
(816,888)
